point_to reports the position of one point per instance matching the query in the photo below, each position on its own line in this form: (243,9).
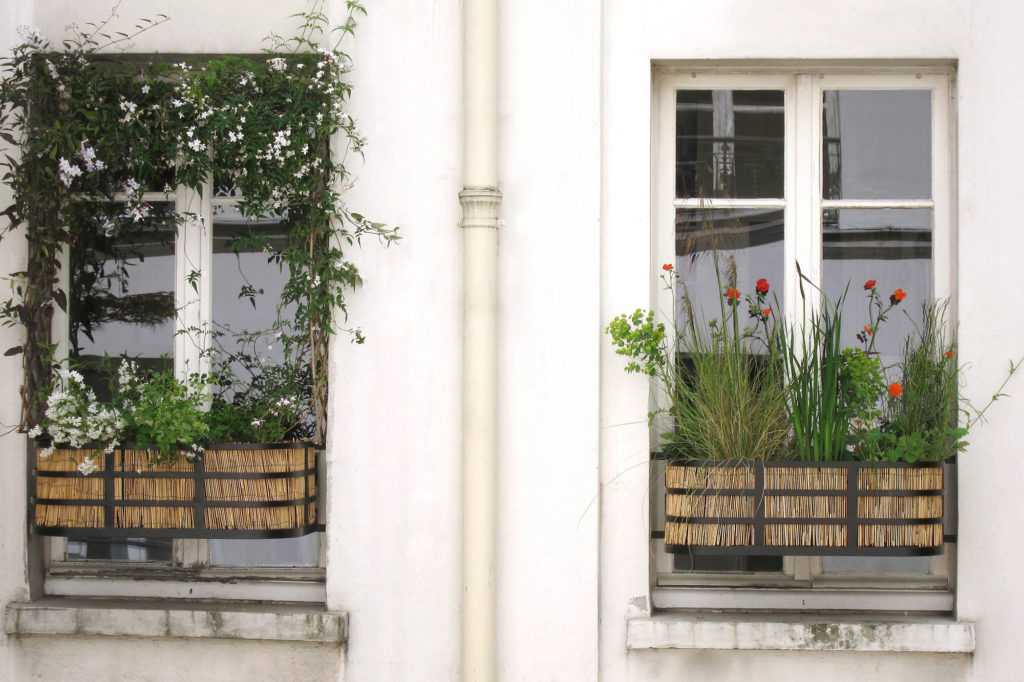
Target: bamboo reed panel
(709,506)
(155,489)
(255,490)
(61,488)
(154,517)
(804,535)
(138,462)
(727,476)
(805,478)
(709,534)
(264,461)
(896,478)
(805,506)
(926,507)
(880,535)
(68,516)
(67,460)
(250,518)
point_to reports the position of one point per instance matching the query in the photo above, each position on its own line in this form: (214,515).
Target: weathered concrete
(800,634)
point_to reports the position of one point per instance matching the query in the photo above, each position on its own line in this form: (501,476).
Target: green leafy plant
(98,130)
(166,416)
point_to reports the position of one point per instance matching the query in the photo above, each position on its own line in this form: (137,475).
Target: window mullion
(807,249)
(193,255)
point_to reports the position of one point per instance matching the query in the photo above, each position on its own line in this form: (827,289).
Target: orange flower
(948,354)
(761,286)
(733,294)
(667,267)
(766,313)
(895,390)
(897,296)
(869,285)
(868,330)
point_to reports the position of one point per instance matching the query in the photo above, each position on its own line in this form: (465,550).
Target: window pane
(744,244)
(247,285)
(132,549)
(730,143)
(891,246)
(877,144)
(122,294)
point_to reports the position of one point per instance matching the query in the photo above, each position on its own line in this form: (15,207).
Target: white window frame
(802,584)
(189,573)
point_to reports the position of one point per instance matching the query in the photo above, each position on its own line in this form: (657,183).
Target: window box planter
(232,491)
(798,508)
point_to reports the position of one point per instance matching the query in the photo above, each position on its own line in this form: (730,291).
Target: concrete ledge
(61,617)
(807,633)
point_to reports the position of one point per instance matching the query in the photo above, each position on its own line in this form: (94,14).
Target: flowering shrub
(260,127)
(776,391)
(74,417)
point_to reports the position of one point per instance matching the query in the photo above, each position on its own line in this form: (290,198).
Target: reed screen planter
(232,491)
(796,508)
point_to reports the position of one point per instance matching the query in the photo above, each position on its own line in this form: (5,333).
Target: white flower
(256,423)
(277,64)
(68,171)
(87,466)
(35,431)
(46,452)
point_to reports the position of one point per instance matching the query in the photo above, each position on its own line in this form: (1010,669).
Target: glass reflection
(730,143)
(876,144)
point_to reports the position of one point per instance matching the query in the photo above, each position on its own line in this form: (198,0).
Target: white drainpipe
(480,201)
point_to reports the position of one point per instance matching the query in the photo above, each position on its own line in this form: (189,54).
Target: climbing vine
(97,130)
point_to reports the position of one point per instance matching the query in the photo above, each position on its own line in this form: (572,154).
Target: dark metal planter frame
(852,520)
(199,503)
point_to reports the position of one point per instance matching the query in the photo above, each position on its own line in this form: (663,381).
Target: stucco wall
(575,250)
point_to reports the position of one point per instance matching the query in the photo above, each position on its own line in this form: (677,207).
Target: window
(848,173)
(140,297)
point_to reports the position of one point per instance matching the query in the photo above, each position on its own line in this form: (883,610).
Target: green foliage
(726,403)
(93,124)
(166,416)
(862,381)
(641,339)
(812,357)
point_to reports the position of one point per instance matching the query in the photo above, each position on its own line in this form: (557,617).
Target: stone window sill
(285,622)
(800,633)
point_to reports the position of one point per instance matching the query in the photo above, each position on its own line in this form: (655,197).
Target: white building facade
(581,592)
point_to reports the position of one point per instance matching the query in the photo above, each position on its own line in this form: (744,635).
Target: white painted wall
(575,250)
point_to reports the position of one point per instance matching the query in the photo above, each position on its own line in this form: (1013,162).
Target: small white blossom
(277,64)
(68,171)
(87,467)
(145,89)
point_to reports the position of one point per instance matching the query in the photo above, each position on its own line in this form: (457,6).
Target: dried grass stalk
(257,461)
(804,535)
(156,489)
(925,535)
(709,477)
(154,517)
(899,478)
(79,488)
(709,506)
(253,518)
(68,516)
(928,507)
(67,460)
(805,506)
(805,478)
(709,534)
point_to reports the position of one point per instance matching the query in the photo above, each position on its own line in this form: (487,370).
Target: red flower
(761,286)
(733,294)
(868,330)
(895,390)
(667,267)
(766,313)
(869,285)
(948,355)
(897,296)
